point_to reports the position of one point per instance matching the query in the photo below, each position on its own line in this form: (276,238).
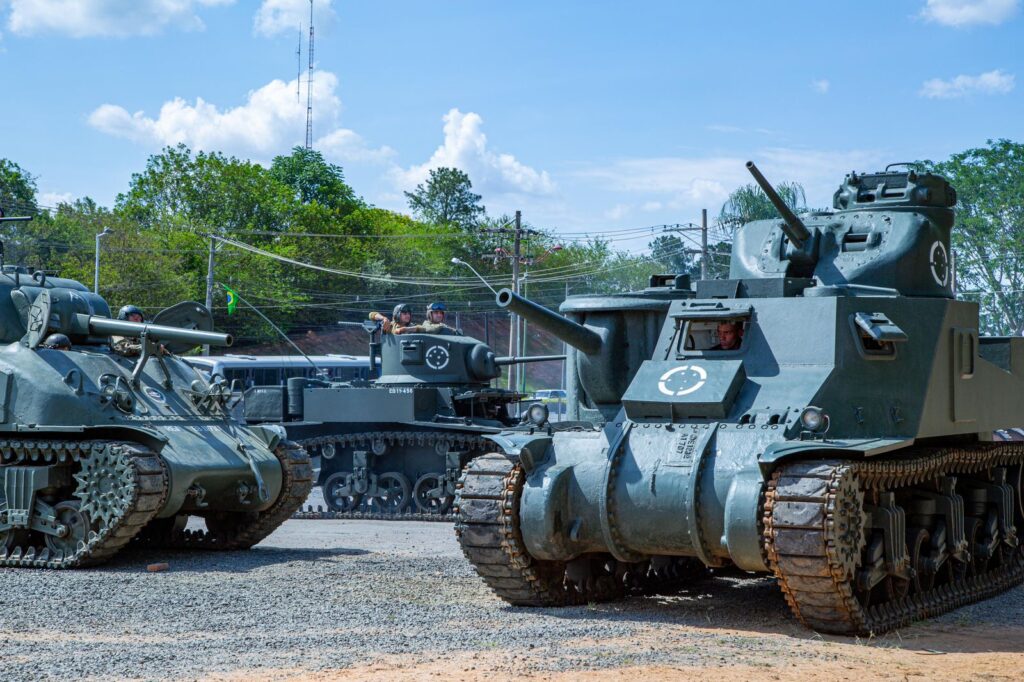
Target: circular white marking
(939,262)
(437,357)
(700,372)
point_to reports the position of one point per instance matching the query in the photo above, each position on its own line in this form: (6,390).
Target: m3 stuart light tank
(98,449)
(395,446)
(829,415)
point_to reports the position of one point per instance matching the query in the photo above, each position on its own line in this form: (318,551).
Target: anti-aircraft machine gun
(829,414)
(394,447)
(98,450)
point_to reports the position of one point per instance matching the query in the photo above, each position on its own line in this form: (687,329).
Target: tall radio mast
(309,84)
(298,68)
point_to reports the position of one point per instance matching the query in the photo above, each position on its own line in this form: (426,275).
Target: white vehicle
(275,370)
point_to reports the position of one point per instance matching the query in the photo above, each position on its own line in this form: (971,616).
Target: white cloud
(285,16)
(270,122)
(989,83)
(55,198)
(465,147)
(106,18)
(684,185)
(959,13)
(820,85)
(618,212)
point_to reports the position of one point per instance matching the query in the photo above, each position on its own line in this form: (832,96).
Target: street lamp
(459,261)
(96,273)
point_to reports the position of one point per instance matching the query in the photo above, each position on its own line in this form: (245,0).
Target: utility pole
(209,283)
(513,327)
(703,243)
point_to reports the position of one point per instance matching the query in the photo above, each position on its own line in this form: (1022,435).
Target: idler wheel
(429,495)
(77,525)
(393,493)
(338,493)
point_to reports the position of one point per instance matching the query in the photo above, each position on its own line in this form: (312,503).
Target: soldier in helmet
(435,324)
(57,342)
(400,322)
(130,346)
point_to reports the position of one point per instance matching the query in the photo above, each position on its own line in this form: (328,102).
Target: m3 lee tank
(850,442)
(98,450)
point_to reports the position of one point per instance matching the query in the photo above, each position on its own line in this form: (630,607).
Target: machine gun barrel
(104,326)
(514,360)
(792,225)
(576,335)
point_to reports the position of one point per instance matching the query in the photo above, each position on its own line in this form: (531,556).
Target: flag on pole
(232,299)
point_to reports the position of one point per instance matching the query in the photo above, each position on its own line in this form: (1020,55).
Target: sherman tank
(98,450)
(829,415)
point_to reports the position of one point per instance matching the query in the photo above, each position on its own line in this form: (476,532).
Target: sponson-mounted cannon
(829,414)
(98,450)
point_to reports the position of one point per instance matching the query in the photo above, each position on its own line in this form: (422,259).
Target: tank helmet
(437,305)
(401,308)
(127,310)
(57,341)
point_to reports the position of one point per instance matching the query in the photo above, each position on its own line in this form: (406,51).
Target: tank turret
(888,235)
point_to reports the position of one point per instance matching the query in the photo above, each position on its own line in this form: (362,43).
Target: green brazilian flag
(232,299)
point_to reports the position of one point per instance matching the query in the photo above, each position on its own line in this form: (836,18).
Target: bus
(275,370)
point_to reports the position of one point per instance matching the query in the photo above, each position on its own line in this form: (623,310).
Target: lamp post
(459,261)
(96,273)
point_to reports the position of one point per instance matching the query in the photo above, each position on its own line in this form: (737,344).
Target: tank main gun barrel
(516,360)
(104,326)
(792,225)
(576,335)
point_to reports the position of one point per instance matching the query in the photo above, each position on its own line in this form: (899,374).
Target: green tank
(98,450)
(829,415)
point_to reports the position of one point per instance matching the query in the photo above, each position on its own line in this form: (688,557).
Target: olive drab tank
(859,441)
(98,450)
(395,446)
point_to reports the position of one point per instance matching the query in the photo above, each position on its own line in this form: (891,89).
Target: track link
(142,473)
(813,544)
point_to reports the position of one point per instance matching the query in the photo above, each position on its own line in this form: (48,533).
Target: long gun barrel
(517,360)
(576,335)
(792,226)
(104,326)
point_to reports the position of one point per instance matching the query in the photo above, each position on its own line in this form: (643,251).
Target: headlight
(537,414)
(814,419)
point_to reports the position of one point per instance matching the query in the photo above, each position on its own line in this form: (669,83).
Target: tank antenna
(309,84)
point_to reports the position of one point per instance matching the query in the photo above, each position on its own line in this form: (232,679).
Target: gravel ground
(383,599)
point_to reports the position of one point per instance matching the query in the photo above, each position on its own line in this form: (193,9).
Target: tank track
(143,482)
(240,530)
(462,441)
(487,509)
(815,539)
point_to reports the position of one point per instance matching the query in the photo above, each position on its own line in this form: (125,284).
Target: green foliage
(751,203)
(313,179)
(447,199)
(989,237)
(17,189)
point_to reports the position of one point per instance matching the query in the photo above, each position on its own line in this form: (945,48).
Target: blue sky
(589,116)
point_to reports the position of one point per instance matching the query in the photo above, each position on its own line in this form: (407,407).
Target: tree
(988,239)
(751,203)
(313,179)
(447,199)
(17,189)
(674,255)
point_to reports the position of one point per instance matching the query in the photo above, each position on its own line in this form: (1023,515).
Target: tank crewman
(130,346)
(400,322)
(435,324)
(730,335)
(57,342)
